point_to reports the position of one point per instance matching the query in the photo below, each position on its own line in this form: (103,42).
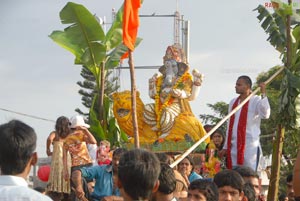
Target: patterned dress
(56,182)
(75,143)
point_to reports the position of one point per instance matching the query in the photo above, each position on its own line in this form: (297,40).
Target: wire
(27,115)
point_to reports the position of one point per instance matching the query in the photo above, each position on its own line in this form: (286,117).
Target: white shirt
(92,148)
(257,109)
(14,188)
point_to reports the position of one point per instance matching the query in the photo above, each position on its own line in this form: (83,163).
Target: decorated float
(168,124)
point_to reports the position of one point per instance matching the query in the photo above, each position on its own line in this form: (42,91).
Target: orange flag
(130,22)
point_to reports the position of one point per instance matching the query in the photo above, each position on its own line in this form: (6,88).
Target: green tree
(98,52)
(220,110)
(286,39)
(88,88)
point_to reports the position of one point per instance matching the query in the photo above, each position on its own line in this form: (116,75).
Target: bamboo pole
(277,150)
(133,101)
(188,151)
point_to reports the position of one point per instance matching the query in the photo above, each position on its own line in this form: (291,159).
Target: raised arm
(263,108)
(88,136)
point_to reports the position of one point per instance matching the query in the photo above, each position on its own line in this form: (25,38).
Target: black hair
(247,79)
(282,197)
(17,144)
(249,191)
(62,126)
(163,157)
(191,162)
(40,189)
(206,187)
(223,136)
(138,172)
(229,178)
(289,178)
(167,180)
(119,151)
(246,171)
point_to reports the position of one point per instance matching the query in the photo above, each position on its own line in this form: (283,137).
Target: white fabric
(92,148)
(258,109)
(14,188)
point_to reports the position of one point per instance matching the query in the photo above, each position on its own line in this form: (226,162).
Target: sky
(38,77)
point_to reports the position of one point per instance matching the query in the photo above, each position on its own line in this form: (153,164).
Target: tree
(220,110)
(88,88)
(286,40)
(97,52)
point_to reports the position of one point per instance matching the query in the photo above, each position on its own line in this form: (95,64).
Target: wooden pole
(101,93)
(188,151)
(133,101)
(278,144)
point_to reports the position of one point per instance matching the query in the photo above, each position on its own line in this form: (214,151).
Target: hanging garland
(159,106)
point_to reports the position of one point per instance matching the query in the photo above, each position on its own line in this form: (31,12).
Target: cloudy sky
(39,78)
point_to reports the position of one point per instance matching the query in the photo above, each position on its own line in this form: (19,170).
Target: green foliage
(93,49)
(83,37)
(274,24)
(290,89)
(220,110)
(269,126)
(108,129)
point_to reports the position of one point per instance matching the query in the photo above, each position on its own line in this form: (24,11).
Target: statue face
(171,71)
(171,67)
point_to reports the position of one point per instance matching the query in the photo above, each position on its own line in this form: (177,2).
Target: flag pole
(133,100)
(130,29)
(188,151)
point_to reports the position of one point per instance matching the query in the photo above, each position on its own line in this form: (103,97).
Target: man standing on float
(242,145)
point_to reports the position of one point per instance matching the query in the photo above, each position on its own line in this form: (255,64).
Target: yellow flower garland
(169,100)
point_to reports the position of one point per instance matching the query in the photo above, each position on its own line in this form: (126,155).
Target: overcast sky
(39,78)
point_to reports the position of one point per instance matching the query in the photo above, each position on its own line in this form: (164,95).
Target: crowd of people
(135,174)
(81,169)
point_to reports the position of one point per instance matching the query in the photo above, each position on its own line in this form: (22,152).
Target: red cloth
(106,162)
(241,134)
(130,23)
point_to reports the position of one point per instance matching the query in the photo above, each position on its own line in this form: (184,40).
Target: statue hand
(152,87)
(153,78)
(198,77)
(176,93)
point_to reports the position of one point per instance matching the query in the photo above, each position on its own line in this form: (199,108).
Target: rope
(27,115)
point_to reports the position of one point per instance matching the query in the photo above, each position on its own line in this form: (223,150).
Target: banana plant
(286,39)
(98,52)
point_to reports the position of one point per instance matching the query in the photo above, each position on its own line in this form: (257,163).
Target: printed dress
(56,182)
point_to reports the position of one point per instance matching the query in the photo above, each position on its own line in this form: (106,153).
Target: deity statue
(172,91)
(170,117)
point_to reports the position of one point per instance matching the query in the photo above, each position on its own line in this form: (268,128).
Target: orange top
(75,143)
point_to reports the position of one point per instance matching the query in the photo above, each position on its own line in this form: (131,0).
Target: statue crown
(175,52)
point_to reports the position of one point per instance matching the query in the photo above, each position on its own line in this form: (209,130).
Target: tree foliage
(285,38)
(93,49)
(220,110)
(88,88)
(275,25)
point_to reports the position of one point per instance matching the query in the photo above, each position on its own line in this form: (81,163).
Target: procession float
(168,124)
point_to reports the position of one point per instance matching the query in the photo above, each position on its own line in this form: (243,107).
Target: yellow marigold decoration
(159,106)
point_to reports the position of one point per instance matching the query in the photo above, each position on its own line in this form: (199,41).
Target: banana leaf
(84,37)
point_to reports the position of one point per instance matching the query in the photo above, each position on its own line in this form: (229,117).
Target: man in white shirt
(17,155)
(242,144)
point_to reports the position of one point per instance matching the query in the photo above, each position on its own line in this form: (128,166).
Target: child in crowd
(213,164)
(56,183)
(102,153)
